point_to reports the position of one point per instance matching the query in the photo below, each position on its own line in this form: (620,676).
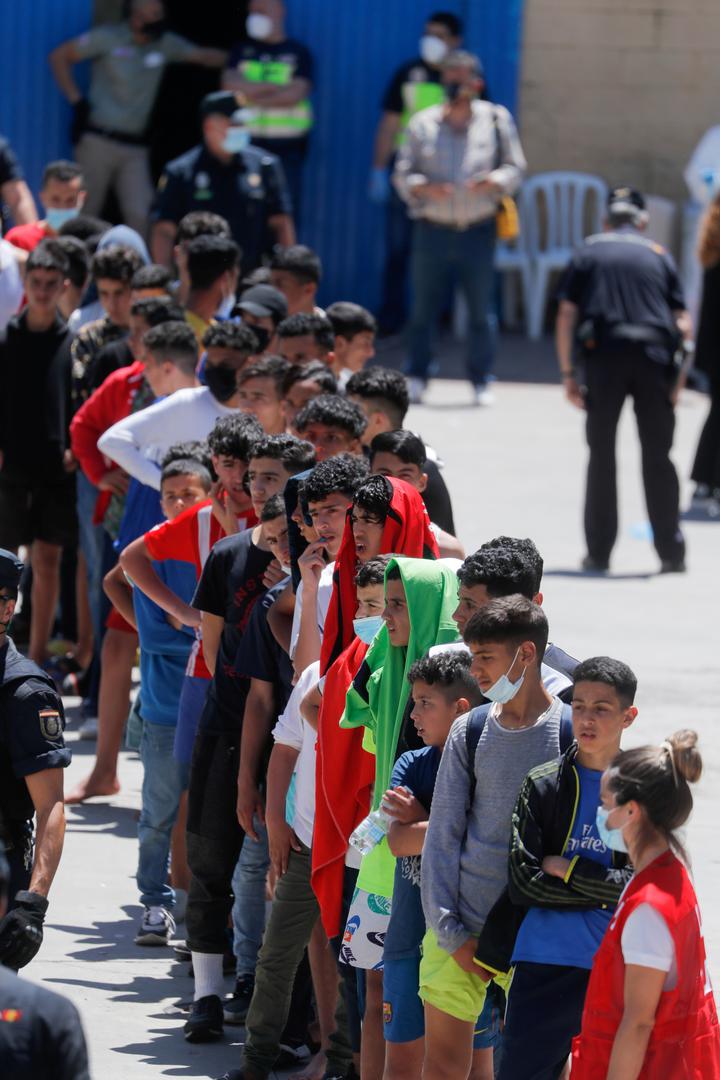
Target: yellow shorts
(446,986)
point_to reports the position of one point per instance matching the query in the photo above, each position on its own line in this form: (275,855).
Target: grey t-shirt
(465,855)
(126,76)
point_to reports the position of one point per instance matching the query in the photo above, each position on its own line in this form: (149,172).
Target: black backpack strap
(566,729)
(473,731)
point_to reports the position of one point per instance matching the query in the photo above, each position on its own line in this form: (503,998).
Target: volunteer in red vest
(649,1011)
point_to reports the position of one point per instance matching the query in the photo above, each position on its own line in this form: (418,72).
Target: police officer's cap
(264,301)
(224,103)
(11,569)
(626,199)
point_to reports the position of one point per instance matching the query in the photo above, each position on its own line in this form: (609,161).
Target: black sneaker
(235,1008)
(205,1023)
(594,566)
(673,566)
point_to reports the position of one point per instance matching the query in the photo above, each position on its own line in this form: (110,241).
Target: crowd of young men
(314,647)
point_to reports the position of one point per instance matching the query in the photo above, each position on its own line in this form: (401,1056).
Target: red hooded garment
(345,772)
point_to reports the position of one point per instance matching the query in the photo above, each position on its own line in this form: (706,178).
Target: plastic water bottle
(371,831)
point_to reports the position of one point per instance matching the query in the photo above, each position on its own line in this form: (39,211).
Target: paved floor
(517,469)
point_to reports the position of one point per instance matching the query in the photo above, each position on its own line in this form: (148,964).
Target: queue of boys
(337,707)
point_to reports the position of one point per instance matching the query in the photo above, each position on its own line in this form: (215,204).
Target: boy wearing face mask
(442,689)
(274,74)
(138,443)
(228,176)
(486,758)
(62,196)
(565,876)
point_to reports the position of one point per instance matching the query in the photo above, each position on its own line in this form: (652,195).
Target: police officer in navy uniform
(32,757)
(622,312)
(41,1037)
(229,176)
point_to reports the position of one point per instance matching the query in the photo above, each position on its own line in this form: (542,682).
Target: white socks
(208,971)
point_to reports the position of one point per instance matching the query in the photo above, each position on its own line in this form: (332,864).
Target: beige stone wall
(620,88)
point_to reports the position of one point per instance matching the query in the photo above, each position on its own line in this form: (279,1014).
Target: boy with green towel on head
(420,597)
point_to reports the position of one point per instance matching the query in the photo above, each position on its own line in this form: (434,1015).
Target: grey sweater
(465,855)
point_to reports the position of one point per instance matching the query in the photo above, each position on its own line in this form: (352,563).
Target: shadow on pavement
(700,515)
(103,817)
(518,360)
(589,575)
(168,1049)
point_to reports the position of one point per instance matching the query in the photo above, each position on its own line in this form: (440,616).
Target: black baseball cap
(264,301)
(225,103)
(626,198)
(11,569)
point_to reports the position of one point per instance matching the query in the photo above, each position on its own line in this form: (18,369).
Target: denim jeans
(92,541)
(91,544)
(440,257)
(164,781)
(248,913)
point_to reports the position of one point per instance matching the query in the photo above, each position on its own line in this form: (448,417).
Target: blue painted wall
(33,114)
(356,45)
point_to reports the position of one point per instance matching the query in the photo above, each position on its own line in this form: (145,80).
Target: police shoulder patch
(50,724)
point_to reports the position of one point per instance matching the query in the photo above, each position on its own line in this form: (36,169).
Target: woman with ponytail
(649,1011)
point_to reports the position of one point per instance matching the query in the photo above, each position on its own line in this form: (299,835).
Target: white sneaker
(484,396)
(416,389)
(89,728)
(157,927)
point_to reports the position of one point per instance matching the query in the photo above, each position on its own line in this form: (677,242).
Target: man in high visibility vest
(274,74)
(415,85)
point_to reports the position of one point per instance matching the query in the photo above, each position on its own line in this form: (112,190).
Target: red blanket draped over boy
(344,771)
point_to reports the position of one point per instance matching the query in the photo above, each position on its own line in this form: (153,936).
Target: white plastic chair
(562,209)
(513,259)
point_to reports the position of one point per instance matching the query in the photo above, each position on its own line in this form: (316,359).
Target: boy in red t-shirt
(189,539)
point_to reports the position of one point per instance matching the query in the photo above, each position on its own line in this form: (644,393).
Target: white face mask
(504,689)
(432,49)
(259,26)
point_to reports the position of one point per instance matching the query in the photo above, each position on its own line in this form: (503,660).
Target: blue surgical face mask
(505,689)
(236,140)
(367,628)
(612,838)
(56,216)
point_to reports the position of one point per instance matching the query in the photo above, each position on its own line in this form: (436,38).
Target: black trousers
(544,1013)
(706,469)
(610,378)
(214,839)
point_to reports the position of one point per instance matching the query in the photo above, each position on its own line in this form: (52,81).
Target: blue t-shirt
(416,770)
(164,650)
(142,512)
(550,936)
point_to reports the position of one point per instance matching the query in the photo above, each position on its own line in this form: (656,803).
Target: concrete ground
(516,468)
